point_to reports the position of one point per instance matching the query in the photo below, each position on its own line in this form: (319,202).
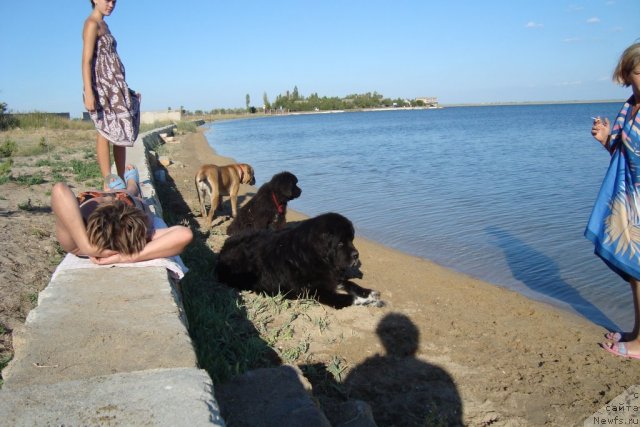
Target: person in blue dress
(614,225)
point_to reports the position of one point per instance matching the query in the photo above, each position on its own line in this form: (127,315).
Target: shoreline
(515,360)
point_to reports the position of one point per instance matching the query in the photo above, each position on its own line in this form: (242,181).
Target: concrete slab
(98,322)
(169,397)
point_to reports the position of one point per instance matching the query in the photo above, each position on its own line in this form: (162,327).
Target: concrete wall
(150,117)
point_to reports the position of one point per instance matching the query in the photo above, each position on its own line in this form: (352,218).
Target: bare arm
(89,36)
(165,242)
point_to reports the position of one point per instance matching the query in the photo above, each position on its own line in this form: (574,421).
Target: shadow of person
(401,389)
(541,274)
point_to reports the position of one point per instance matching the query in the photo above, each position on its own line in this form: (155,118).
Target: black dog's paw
(372,300)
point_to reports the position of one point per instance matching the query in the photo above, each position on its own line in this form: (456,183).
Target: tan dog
(218,181)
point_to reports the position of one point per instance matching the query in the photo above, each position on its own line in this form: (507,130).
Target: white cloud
(575,8)
(532,24)
(572,40)
(593,20)
(617,29)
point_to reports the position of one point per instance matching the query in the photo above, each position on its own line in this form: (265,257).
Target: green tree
(247,101)
(6,120)
(265,101)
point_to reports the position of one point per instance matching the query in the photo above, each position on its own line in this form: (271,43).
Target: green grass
(5,167)
(85,170)
(37,120)
(30,180)
(7,148)
(25,206)
(4,361)
(33,298)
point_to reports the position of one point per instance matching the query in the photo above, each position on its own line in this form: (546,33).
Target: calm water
(501,193)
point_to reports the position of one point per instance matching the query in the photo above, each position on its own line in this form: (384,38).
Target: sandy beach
(485,353)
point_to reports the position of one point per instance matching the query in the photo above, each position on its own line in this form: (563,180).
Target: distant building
(429,101)
(149,117)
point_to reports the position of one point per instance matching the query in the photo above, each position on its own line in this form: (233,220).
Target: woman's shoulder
(96,26)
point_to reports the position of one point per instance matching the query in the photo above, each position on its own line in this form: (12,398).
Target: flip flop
(131,172)
(614,336)
(619,349)
(114,182)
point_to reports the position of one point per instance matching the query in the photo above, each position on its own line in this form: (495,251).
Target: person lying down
(113,227)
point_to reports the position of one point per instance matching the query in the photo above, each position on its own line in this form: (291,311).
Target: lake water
(501,193)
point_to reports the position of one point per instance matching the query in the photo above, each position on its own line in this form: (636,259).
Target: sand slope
(477,353)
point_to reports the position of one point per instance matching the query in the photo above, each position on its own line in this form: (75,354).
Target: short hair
(119,227)
(629,60)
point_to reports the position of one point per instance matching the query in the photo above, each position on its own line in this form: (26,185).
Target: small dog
(315,258)
(268,208)
(217,181)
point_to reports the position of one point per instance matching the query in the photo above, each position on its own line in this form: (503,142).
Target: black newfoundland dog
(313,259)
(268,208)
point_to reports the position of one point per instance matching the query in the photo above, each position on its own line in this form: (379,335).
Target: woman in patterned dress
(614,225)
(114,108)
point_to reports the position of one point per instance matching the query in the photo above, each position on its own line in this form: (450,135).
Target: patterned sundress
(117,114)
(614,225)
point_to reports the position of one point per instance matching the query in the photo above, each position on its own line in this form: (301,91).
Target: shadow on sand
(401,389)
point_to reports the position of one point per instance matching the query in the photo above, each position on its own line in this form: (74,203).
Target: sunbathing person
(114,227)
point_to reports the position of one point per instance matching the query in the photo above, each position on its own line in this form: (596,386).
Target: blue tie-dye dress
(614,225)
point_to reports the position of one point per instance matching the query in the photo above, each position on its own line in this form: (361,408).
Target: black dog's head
(336,234)
(285,185)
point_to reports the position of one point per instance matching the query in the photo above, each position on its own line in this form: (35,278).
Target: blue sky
(205,54)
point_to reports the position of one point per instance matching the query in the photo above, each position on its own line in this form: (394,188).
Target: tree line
(294,101)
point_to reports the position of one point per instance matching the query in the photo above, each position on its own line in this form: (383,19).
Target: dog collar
(240,172)
(278,205)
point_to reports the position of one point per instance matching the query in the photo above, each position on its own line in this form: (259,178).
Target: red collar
(278,205)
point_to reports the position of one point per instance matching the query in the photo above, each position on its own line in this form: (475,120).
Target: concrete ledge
(168,397)
(98,322)
(108,346)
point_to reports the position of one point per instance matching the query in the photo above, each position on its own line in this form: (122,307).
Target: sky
(207,54)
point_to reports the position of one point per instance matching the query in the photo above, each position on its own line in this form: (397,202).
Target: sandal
(131,172)
(114,182)
(613,336)
(619,349)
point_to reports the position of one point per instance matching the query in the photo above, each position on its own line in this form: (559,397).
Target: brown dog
(218,181)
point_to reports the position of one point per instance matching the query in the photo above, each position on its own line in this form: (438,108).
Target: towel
(614,225)
(174,264)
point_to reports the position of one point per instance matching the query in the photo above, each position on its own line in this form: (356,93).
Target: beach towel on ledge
(174,264)
(614,225)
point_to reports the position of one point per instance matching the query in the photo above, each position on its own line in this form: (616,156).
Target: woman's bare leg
(104,157)
(120,158)
(635,291)
(70,228)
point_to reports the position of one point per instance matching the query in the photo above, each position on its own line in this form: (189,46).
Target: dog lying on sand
(315,258)
(268,208)
(216,181)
